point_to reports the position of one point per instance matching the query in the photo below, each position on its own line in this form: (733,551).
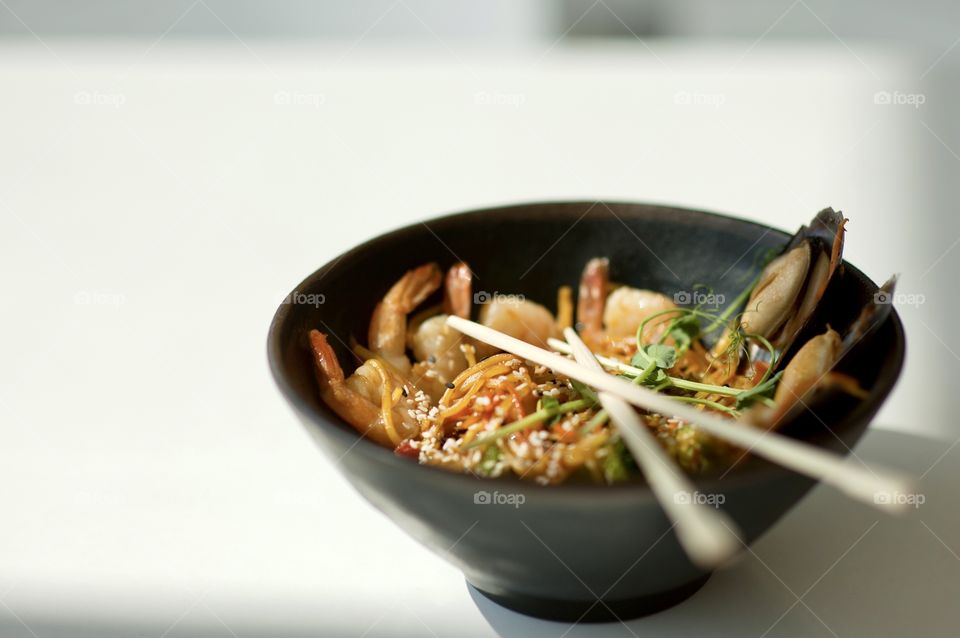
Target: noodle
(386,401)
(470,353)
(461,405)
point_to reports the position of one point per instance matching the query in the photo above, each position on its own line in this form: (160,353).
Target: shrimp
(603,316)
(457,290)
(388,326)
(594,286)
(439,349)
(519,318)
(373,399)
(627,308)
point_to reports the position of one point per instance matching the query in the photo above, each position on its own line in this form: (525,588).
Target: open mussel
(812,368)
(791,286)
(787,292)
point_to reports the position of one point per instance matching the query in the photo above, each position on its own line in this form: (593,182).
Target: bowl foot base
(594,611)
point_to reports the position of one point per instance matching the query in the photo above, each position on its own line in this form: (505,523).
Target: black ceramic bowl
(566,547)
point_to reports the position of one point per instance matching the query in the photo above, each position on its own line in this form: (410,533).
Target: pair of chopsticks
(707,535)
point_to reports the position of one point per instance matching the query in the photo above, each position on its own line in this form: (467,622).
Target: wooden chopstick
(874,486)
(706,533)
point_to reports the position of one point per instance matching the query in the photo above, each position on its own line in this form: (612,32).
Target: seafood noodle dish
(434,395)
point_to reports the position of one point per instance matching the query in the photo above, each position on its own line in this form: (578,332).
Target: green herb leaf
(684,331)
(658,354)
(640,360)
(650,375)
(664,356)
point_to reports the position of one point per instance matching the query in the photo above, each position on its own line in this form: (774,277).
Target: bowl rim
(356,443)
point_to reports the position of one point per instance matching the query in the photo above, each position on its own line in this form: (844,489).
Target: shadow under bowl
(575,551)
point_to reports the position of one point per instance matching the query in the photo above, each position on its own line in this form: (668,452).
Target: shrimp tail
(328,368)
(414,287)
(594,285)
(362,414)
(458,291)
(388,326)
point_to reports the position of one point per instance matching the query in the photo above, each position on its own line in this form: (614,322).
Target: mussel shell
(824,236)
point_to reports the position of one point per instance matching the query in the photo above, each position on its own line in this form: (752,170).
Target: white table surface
(157,202)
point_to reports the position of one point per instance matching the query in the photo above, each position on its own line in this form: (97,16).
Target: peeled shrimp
(519,318)
(618,314)
(440,350)
(373,399)
(437,347)
(627,308)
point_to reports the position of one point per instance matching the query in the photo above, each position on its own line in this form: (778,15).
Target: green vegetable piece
(585,391)
(640,360)
(617,463)
(664,356)
(552,405)
(488,462)
(528,421)
(684,331)
(759,391)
